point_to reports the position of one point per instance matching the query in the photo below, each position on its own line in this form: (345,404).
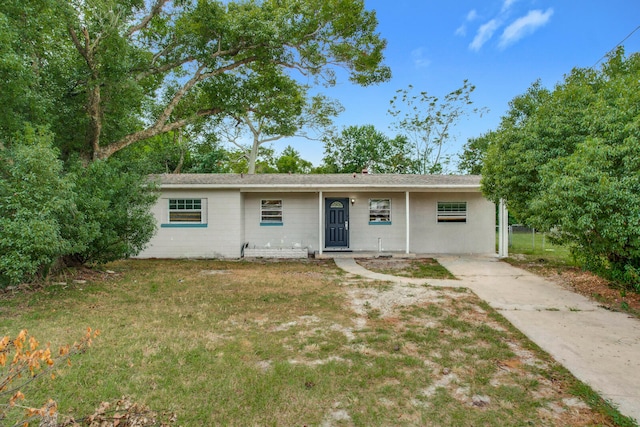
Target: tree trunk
(95,120)
(253,155)
(178,140)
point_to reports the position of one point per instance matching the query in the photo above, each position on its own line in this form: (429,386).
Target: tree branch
(81,49)
(157,129)
(164,68)
(273,138)
(197,77)
(155,9)
(249,124)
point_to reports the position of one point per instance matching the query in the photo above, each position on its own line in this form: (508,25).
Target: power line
(616,46)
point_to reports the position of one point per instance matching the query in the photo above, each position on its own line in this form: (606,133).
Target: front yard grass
(420,268)
(537,244)
(294,343)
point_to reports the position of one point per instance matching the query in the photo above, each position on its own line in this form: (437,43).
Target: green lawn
(293,343)
(537,245)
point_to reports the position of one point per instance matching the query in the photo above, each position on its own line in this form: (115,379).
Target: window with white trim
(271,212)
(186,211)
(452,211)
(379,211)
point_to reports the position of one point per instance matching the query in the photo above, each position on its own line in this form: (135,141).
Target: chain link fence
(529,241)
(526,240)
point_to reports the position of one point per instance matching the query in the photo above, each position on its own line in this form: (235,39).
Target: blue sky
(500,46)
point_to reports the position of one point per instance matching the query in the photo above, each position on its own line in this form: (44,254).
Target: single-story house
(288,215)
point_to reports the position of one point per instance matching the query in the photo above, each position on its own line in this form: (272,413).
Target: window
(271,212)
(186,211)
(452,211)
(379,211)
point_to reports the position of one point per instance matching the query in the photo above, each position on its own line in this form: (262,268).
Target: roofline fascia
(313,187)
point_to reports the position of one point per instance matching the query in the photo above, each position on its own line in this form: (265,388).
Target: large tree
(125,71)
(291,162)
(364,147)
(567,160)
(428,122)
(471,160)
(32,55)
(284,111)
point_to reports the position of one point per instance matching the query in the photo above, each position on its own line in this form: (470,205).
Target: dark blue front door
(336,223)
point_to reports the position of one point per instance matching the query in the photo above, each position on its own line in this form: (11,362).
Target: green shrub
(95,214)
(115,206)
(35,198)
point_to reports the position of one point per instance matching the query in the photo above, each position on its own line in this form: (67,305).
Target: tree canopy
(105,75)
(291,162)
(97,93)
(364,147)
(428,121)
(471,160)
(567,160)
(277,116)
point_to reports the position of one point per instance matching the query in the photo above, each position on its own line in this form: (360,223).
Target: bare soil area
(469,359)
(607,294)
(297,343)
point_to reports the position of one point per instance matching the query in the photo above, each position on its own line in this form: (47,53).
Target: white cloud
(484,34)
(524,26)
(507,5)
(462,29)
(419,60)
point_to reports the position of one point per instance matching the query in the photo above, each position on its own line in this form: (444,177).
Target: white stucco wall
(221,238)
(233,218)
(427,235)
(299,221)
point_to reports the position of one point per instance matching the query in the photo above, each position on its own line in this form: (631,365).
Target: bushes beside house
(48,215)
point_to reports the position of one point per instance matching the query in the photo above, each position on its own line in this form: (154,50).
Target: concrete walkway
(599,347)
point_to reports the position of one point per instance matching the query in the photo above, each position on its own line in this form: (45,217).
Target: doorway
(336,233)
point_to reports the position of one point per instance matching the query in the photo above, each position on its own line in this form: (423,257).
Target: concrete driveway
(599,347)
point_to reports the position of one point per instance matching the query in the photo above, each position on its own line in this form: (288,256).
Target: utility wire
(616,46)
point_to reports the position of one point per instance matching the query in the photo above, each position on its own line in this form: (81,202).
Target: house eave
(325,188)
(316,183)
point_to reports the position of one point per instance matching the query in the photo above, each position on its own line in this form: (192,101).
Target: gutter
(312,187)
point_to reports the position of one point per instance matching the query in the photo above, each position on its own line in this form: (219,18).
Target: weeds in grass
(286,344)
(422,268)
(379,285)
(23,361)
(595,401)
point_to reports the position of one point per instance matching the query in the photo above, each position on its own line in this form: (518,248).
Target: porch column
(406,197)
(503,230)
(320,245)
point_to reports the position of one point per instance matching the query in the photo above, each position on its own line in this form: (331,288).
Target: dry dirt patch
(297,343)
(476,359)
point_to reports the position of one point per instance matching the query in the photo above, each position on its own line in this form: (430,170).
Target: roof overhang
(317,188)
(316,183)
